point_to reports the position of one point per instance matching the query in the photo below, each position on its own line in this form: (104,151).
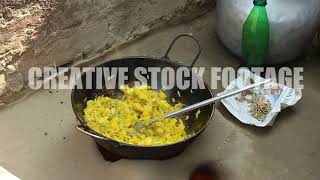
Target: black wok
(79,97)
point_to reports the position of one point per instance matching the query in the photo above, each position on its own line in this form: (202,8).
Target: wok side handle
(84,130)
(184,35)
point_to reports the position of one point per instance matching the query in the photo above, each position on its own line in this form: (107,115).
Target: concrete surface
(39,141)
(54,33)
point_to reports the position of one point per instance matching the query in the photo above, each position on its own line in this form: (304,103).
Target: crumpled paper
(279,96)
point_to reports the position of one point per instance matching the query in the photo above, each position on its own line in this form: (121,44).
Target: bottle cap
(260,2)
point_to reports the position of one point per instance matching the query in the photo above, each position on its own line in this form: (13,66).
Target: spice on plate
(260,107)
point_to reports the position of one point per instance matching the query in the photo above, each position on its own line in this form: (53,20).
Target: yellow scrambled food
(114,118)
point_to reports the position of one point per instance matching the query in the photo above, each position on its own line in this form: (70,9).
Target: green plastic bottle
(255,35)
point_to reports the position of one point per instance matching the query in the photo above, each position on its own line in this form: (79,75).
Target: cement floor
(39,141)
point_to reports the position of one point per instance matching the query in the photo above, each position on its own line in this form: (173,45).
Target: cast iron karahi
(79,97)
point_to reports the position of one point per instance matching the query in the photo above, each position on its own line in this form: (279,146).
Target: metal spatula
(139,125)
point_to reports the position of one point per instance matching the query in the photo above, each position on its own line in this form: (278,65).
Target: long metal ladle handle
(214,99)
